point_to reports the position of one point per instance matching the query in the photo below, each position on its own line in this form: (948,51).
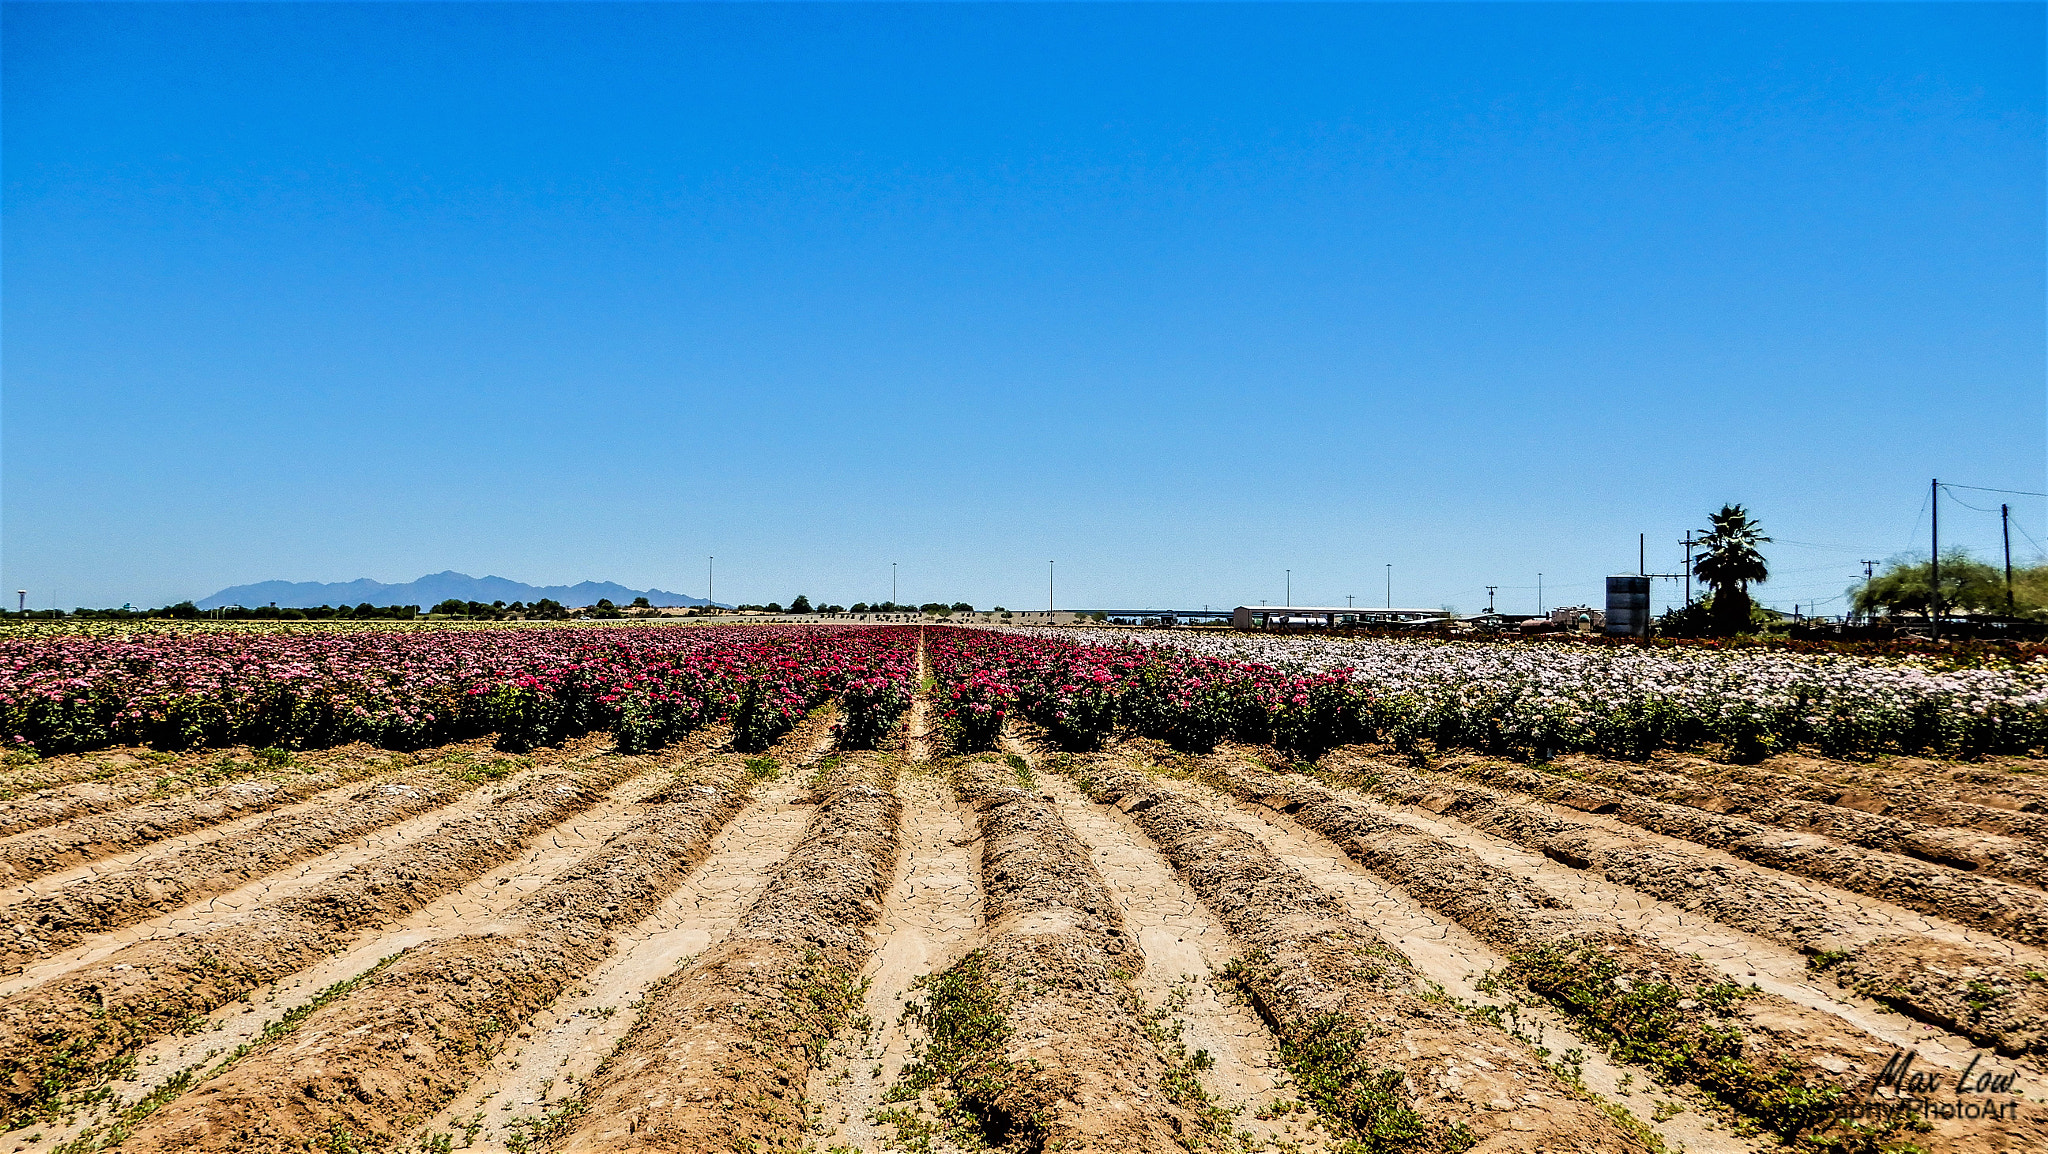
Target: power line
(1983,489)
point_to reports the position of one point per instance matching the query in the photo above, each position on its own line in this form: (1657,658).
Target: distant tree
(860,607)
(832,609)
(605,609)
(184,610)
(547,608)
(932,607)
(773,607)
(802,604)
(962,607)
(452,607)
(642,603)
(1967,584)
(999,609)
(1729,564)
(366,610)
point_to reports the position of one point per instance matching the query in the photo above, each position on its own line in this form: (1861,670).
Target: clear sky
(1180,297)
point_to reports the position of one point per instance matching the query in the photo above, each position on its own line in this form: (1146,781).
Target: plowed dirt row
(1978,797)
(45,851)
(44,925)
(1592,969)
(929,921)
(1935,888)
(1183,944)
(92,1015)
(382,1059)
(1072,1066)
(270,889)
(1742,956)
(1450,956)
(561,1045)
(1841,814)
(1933,969)
(1331,986)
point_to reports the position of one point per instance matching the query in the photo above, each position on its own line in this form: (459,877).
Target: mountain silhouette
(430,590)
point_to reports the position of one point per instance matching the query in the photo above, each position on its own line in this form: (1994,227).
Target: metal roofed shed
(1267,617)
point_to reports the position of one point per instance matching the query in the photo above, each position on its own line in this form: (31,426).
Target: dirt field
(924,948)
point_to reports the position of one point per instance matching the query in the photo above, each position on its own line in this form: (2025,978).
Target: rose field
(349,887)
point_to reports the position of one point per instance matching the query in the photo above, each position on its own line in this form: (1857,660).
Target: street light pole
(1489,599)
(708,560)
(1390,585)
(1048,592)
(892,583)
(1290,589)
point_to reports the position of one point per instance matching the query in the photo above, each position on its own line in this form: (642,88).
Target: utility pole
(1347,601)
(1934,555)
(1390,585)
(1869,572)
(1539,595)
(892,583)
(1048,592)
(708,561)
(1688,542)
(2005,528)
(1489,599)
(1290,589)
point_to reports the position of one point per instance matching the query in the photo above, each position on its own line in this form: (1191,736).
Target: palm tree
(1730,564)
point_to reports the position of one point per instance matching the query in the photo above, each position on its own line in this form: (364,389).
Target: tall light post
(1390,585)
(1290,589)
(1489,599)
(1048,592)
(708,563)
(1539,595)
(892,583)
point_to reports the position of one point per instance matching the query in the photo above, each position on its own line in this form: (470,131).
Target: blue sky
(1182,297)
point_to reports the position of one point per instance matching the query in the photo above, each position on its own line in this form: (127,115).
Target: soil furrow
(45,851)
(1449,955)
(382,1059)
(1036,1037)
(83,1024)
(1963,982)
(1185,946)
(929,920)
(44,925)
(1871,864)
(1345,1002)
(1934,797)
(534,1077)
(1792,1069)
(719,1058)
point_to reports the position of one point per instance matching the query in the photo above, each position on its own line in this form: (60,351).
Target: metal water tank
(1628,606)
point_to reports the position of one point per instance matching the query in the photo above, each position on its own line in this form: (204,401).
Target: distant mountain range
(431,590)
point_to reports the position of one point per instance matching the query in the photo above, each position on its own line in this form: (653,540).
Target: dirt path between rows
(1450,956)
(929,920)
(391,1053)
(1591,968)
(1421,1066)
(44,925)
(563,1044)
(1183,944)
(1947,967)
(135,991)
(1938,889)
(720,1056)
(87,839)
(1845,815)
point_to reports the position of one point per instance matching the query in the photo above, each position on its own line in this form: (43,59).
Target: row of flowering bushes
(1081,693)
(401,689)
(1534,701)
